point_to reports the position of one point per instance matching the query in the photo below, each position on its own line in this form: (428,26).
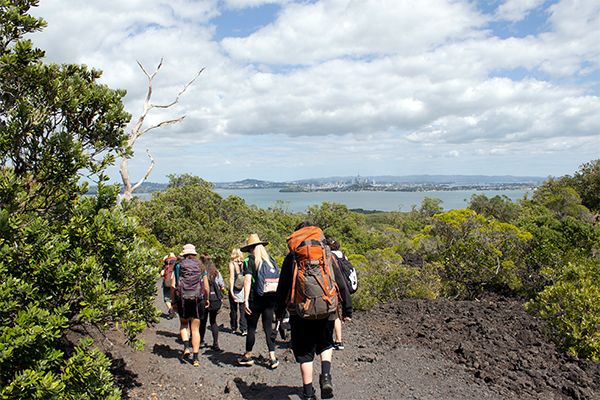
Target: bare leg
(183,330)
(307,372)
(195,327)
(338,330)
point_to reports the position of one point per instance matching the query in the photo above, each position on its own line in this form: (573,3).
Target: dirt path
(413,349)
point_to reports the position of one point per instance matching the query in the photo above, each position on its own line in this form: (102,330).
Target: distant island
(411,183)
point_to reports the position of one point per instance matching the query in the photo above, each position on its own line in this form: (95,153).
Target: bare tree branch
(147,172)
(137,131)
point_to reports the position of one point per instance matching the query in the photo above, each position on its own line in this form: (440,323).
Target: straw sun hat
(252,241)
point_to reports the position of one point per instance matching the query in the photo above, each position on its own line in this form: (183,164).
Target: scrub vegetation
(74,263)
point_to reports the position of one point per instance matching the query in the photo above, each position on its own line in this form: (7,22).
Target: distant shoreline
(424,188)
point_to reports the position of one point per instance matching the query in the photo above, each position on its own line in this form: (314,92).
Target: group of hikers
(311,295)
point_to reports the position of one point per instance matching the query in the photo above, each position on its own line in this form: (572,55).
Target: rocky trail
(412,349)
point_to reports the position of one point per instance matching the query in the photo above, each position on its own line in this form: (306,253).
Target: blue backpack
(267,278)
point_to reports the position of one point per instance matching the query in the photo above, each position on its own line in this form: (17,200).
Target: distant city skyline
(296,88)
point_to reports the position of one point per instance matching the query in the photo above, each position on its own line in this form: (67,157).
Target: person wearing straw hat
(259,297)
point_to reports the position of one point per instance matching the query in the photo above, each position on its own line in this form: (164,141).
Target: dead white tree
(137,131)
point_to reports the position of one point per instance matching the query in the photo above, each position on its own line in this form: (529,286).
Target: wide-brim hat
(189,249)
(252,241)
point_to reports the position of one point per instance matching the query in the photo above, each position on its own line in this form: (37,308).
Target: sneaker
(186,352)
(196,363)
(172,314)
(246,361)
(244,333)
(216,347)
(338,346)
(307,397)
(326,386)
(236,332)
(274,363)
(202,345)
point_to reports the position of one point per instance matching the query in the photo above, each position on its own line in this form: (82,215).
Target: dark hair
(331,242)
(211,269)
(303,225)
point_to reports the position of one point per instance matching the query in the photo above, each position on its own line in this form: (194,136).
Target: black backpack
(214,297)
(348,271)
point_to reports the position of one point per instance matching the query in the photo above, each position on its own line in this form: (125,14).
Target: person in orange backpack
(311,299)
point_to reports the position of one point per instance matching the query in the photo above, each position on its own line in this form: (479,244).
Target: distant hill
(409,180)
(450,180)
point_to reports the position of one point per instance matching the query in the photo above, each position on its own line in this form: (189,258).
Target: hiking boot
(246,361)
(338,346)
(274,363)
(326,386)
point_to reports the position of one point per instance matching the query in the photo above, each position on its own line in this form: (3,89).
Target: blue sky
(306,89)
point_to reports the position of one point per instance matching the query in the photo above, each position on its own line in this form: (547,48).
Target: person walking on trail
(260,280)
(236,293)
(169,262)
(340,258)
(189,288)
(216,286)
(314,335)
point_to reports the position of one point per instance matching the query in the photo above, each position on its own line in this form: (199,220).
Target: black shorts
(310,337)
(191,309)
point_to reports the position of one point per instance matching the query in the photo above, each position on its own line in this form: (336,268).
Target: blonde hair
(260,255)
(236,255)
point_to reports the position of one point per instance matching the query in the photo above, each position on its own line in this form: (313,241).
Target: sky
(305,89)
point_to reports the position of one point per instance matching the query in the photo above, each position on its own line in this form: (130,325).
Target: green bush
(571,308)
(384,277)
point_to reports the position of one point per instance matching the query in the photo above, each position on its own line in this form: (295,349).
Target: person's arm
(247,284)
(173,283)
(231,277)
(285,285)
(206,290)
(344,292)
(221,282)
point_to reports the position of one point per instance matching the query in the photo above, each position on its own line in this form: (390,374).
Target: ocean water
(380,201)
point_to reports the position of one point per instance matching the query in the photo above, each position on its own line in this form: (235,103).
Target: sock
(308,389)
(325,367)
(195,356)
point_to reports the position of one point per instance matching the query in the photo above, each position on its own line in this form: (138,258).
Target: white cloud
(384,84)
(516,10)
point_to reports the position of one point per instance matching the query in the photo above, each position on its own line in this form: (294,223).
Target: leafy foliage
(65,260)
(473,251)
(571,306)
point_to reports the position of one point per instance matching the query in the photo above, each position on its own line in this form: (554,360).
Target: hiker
(189,287)
(350,278)
(314,335)
(259,296)
(216,286)
(166,272)
(236,293)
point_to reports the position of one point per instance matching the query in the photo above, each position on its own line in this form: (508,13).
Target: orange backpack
(314,293)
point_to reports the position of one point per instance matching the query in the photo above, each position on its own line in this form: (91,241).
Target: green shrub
(571,307)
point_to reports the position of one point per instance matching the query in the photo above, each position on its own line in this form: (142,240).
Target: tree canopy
(67,261)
